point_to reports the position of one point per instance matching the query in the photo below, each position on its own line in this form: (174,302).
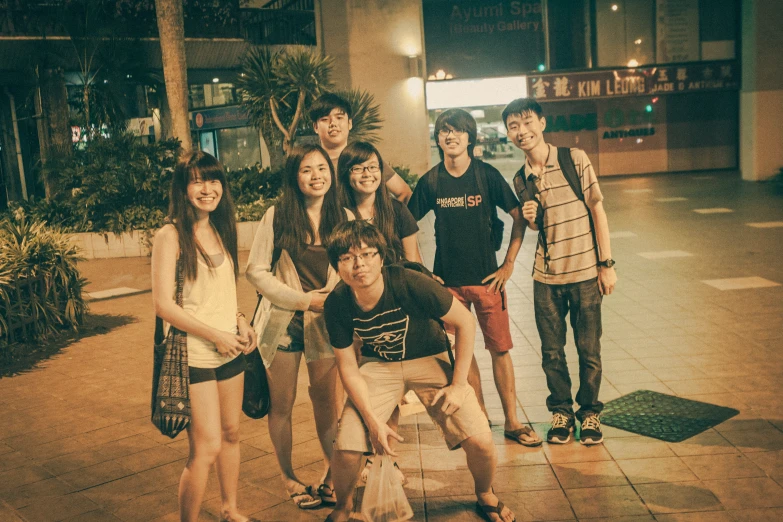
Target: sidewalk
(76,442)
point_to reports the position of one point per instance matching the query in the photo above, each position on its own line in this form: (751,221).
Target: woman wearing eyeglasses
(360,169)
(288,266)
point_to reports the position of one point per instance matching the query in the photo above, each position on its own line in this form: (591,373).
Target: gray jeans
(552,303)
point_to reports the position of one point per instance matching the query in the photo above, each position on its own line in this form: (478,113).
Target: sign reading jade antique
(704,76)
(483,38)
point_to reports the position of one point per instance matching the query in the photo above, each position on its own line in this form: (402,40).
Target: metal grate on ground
(663,417)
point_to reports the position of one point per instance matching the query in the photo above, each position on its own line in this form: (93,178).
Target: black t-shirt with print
(388,332)
(404,223)
(464,255)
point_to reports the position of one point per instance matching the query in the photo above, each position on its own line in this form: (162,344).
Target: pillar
(761,97)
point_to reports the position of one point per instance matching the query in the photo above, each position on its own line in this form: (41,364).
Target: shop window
(238,147)
(212,95)
(624,32)
(568,35)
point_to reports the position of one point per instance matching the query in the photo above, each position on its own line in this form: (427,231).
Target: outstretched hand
(379,436)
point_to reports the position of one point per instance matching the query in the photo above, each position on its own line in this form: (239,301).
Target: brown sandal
(516,436)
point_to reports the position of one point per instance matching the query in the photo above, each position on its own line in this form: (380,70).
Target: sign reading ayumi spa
(702,76)
(483,38)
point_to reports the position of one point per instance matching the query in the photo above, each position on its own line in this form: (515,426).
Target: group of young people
(337,263)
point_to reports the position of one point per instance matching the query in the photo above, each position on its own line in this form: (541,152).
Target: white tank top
(212,299)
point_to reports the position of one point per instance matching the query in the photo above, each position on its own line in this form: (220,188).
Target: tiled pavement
(76,442)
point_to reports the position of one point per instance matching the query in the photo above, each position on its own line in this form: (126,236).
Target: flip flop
(327,500)
(485,511)
(302,502)
(516,436)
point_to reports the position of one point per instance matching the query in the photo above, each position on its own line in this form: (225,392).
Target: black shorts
(231,369)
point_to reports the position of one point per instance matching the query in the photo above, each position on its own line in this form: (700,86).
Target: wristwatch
(609,263)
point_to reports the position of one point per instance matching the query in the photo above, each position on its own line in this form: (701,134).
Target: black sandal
(327,500)
(485,511)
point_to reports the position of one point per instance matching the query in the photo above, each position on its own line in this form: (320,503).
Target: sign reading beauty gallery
(483,38)
(704,76)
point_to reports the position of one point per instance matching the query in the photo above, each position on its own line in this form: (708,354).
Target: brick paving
(76,442)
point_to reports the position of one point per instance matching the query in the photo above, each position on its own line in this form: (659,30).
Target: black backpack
(569,172)
(494,223)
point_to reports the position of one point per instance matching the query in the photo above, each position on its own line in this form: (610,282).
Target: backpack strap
(490,210)
(410,306)
(569,171)
(566,162)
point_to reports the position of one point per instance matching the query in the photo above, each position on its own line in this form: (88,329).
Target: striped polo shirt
(570,244)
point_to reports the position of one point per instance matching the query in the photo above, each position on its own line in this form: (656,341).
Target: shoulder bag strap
(180,278)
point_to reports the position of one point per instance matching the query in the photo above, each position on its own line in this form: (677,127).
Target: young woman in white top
(289,267)
(202,239)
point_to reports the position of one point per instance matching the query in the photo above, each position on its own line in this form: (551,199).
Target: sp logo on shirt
(461,201)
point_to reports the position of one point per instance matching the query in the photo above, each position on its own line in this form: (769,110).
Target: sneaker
(590,432)
(562,426)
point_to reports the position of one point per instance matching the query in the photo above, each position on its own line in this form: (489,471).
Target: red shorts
(492,315)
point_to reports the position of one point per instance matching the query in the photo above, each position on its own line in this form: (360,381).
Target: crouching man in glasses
(399,314)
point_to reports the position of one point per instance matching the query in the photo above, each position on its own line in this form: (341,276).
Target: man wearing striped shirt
(573,267)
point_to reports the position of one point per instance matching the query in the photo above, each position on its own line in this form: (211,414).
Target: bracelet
(240,314)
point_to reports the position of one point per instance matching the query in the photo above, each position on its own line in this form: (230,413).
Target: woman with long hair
(288,266)
(360,170)
(200,246)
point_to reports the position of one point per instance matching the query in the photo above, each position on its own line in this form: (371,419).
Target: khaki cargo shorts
(388,382)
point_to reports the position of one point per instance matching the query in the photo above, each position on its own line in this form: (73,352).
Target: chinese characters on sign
(632,82)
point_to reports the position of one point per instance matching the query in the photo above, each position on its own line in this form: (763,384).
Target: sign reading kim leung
(704,76)
(483,38)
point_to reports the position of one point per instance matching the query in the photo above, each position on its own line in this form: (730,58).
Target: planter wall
(95,245)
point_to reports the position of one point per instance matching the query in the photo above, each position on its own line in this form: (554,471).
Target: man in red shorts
(464,195)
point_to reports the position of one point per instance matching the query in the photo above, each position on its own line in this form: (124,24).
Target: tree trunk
(171,28)
(54,133)
(10,162)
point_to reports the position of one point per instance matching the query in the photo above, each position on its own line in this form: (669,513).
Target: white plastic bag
(384,499)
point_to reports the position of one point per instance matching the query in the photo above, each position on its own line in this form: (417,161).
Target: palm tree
(278,86)
(171,28)
(366,115)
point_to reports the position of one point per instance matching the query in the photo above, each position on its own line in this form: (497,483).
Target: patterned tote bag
(170,376)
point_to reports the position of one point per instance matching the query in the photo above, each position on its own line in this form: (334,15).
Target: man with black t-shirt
(397,314)
(464,196)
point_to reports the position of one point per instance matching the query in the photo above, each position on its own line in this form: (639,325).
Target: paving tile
(95,475)
(709,442)
(757,515)
(704,516)
(621,234)
(58,508)
(637,447)
(678,497)
(747,493)
(766,224)
(147,507)
(715,210)
(716,467)
(740,283)
(766,439)
(614,501)
(16,477)
(589,474)
(575,452)
(664,254)
(652,470)
(670,200)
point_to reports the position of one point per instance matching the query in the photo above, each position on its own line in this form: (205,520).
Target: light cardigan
(283,295)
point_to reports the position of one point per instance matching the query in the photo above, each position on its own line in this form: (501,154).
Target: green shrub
(118,184)
(405,173)
(40,284)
